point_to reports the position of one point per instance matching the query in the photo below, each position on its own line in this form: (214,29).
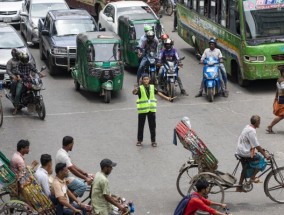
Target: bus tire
(237,76)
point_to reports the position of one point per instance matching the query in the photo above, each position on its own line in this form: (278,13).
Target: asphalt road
(147,175)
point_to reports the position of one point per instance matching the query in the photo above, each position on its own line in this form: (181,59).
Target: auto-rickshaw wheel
(17,207)
(107,96)
(77,85)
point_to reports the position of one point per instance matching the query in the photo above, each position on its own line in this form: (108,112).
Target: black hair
(22,144)
(254,119)
(59,167)
(201,184)
(67,140)
(44,159)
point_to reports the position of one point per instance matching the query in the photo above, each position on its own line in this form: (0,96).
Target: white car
(108,17)
(10,11)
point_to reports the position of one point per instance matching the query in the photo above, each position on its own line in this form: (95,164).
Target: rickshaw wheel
(216,191)
(107,96)
(17,207)
(1,113)
(77,85)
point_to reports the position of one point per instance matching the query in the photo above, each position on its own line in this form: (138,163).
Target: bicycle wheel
(1,113)
(168,7)
(184,178)
(17,207)
(274,185)
(216,191)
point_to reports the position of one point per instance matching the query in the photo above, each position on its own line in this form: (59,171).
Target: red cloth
(198,203)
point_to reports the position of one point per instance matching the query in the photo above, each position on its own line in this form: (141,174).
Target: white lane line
(134,108)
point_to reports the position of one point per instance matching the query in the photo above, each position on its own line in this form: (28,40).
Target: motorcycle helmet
(150,35)
(147,28)
(213,40)
(164,37)
(24,58)
(168,44)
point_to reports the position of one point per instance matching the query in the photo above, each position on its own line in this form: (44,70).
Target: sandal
(256,180)
(139,143)
(269,130)
(240,189)
(154,144)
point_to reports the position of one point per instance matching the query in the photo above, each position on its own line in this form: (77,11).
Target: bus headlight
(258,58)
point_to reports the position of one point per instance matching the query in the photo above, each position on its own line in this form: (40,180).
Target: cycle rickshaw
(204,165)
(30,199)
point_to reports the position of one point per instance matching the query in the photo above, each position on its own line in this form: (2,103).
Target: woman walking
(278,105)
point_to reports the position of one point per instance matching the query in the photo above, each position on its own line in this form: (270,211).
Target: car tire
(52,68)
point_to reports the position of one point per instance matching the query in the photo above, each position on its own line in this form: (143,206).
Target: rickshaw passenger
(17,163)
(149,45)
(42,173)
(246,149)
(60,191)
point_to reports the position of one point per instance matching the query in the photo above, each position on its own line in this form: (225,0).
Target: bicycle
(167,7)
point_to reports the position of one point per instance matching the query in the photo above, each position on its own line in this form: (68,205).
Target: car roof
(140,16)
(120,4)
(6,28)
(47,1)
(70,14)
(103,35)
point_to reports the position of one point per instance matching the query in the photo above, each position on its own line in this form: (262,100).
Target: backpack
(182,204)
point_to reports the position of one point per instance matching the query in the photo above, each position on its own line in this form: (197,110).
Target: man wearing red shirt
(198,202)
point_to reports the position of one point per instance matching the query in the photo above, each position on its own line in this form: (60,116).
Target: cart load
(200,152)
(29,189)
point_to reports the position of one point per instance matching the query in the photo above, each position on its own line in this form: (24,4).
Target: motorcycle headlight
(59,50)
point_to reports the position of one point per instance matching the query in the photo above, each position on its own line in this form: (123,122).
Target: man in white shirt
(43,172)
(247,143)
(214,52)
(76,185)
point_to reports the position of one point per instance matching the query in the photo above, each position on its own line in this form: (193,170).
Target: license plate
(7,19)
(171,75)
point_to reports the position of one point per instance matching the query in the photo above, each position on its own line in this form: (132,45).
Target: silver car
(9,39)
(32,11)
(10,11)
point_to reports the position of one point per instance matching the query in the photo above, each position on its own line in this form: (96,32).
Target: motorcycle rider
(11,70)
(144,36)
(169,54)
(212,51)
(23,76)
(147,46)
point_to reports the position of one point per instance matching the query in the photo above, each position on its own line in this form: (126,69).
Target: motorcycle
(30,96)
(211,79)
(169,77)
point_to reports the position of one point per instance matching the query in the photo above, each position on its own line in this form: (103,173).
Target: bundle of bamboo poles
(191,141)
(34,195)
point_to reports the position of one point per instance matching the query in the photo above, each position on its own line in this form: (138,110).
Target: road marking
(134,108)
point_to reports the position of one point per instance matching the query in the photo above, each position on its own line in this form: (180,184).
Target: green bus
(250,34)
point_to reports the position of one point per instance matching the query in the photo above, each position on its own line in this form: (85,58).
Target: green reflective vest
(145,105)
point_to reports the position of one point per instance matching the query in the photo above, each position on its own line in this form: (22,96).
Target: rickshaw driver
(149,45)
(247,143)
(169,53)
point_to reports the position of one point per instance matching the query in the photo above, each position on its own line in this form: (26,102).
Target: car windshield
(9,0)
(40,9)
(134,10)
(10,40)
(139,29)
(106,52)
(264,18)
(73,27)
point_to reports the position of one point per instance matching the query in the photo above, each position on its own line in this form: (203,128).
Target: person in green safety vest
(146,106)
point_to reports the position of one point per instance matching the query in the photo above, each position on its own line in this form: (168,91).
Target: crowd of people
(69,183)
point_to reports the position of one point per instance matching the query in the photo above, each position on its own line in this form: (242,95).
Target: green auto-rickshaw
(131,29)
(98,67)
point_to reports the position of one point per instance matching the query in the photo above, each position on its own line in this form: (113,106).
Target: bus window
(203,7)
(213,11)
(223,13)
(194,4)
(234,20)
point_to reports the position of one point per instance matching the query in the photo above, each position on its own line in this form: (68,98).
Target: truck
(92,6)
(57,36)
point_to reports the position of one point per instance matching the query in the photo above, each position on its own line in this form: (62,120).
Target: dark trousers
(151,122)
